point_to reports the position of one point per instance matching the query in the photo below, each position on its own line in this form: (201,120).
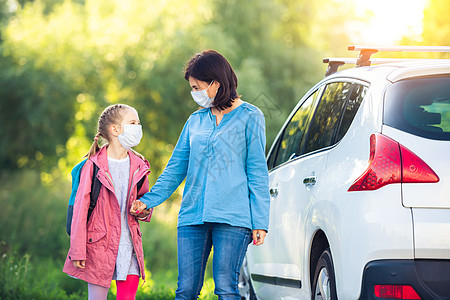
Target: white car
(360,188)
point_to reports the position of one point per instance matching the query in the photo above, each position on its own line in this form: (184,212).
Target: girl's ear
(114,130)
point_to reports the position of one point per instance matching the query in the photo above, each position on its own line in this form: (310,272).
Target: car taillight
(391,162)
(390,291)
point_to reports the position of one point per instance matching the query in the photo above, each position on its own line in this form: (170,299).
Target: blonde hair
(113,114)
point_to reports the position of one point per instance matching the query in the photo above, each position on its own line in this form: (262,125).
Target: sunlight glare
(389,21)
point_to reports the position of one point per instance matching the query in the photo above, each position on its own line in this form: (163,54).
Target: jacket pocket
(94,236)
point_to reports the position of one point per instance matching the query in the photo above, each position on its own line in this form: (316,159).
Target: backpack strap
(95,191)
(97,185)
(139,184)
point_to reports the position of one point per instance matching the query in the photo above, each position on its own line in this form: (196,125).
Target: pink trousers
(126,289)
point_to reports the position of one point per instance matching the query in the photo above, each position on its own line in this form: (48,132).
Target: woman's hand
(258,236)
(138,209)
(81,264)
(143,214)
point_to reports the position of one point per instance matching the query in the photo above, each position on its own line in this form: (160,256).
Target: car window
(289,142)
(420,106)
(354,101)
(272,155)
(327,116)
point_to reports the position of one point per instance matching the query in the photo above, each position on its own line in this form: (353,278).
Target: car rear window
(420,106)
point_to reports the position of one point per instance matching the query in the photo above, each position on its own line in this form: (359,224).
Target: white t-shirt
(126,262)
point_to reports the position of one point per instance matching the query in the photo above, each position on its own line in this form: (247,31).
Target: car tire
(324,283)
(245,284)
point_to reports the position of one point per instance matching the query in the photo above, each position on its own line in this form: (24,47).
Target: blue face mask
(201,97)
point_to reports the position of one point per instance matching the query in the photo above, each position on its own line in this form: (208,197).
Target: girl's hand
(138,209)
(81,264)
(258,236)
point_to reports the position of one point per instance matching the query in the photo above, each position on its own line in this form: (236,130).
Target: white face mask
(201,97)
(131,136)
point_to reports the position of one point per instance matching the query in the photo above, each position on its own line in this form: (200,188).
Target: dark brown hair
(209,66)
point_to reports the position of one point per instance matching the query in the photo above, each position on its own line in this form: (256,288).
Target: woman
(221,153)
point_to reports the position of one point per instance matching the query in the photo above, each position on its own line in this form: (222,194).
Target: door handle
(309,181)
(273,191)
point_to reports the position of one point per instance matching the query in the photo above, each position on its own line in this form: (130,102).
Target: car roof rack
(366,51)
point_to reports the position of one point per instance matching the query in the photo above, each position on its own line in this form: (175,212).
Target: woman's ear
(212,91)
(216,85)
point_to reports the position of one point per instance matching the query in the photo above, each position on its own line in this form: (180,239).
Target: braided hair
(113,114)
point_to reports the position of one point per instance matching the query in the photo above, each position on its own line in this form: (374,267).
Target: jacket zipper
(132,180)
(112,182)
(128,199)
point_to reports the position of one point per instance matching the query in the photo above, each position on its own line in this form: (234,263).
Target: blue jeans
(194,245)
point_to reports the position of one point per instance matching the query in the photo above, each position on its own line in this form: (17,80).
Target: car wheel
(245,285)
(324,284)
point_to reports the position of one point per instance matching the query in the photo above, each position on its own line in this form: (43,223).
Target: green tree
(63,65)
(436,31)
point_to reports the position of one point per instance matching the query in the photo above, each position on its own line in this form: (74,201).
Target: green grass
(34,245)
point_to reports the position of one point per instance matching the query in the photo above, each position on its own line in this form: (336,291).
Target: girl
(109,245)
(226,197)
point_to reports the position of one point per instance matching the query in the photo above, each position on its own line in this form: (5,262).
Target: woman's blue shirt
(226,173)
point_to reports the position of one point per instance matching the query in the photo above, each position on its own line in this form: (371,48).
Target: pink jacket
(97,241)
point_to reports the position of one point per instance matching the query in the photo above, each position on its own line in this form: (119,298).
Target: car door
(268,263)
(299,164)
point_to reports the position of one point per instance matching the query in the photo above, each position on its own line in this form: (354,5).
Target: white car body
(400,221)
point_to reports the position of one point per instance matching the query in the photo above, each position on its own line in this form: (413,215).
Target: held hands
(138,209)
(258,236)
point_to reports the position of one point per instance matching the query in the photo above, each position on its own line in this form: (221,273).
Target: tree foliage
(62,63)
(436,31)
